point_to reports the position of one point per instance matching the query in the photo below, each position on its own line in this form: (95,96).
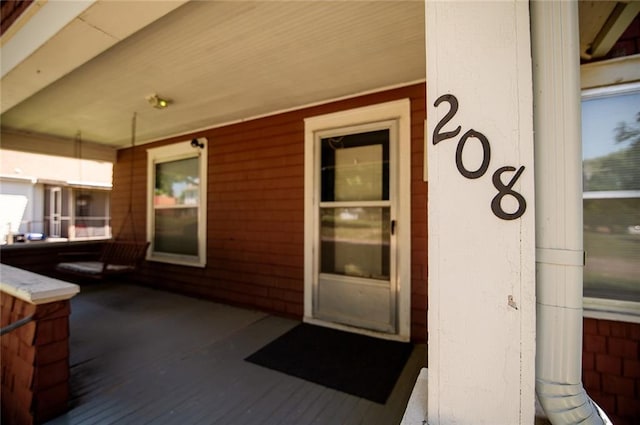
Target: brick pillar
(35,357)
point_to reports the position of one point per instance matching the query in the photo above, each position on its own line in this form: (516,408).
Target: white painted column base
(416,411)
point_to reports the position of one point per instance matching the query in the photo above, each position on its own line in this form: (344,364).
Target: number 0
(486,155)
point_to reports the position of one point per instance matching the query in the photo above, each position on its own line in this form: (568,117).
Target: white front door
(353,224)
(355,282)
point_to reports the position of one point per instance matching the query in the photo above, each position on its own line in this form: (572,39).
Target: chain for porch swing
(129,218)
(81,199)
(119,255)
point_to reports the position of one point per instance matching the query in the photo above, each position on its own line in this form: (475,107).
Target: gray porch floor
(142,356)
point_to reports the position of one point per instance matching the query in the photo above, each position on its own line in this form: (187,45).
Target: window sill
(177,260)
(620,311)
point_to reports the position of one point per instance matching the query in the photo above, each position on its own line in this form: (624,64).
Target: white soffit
(225,61)
(620,18)
(62,35)
(593,15)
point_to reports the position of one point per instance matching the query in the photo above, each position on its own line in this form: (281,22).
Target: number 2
(453,103)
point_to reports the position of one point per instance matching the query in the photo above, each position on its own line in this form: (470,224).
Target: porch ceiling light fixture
(157,102)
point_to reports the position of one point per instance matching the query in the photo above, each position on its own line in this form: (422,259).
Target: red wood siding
(256,211)
(611,368)
(10,11)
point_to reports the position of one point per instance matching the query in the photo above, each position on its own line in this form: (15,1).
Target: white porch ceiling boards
(222,61)
(52,38)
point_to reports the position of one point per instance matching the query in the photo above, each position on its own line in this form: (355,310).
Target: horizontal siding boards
(255,210)
(129,187)
(418,219)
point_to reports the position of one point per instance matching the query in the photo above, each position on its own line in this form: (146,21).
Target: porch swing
(119,255)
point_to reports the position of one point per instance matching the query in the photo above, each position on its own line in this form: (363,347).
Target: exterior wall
(255,211)
(31,175)
(611,368)
(49,166)
(35,361)
(32,218)
(11,10)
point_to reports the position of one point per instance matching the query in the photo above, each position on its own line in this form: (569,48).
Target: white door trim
(400,111)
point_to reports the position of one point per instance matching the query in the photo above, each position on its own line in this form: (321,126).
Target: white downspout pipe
(559,244)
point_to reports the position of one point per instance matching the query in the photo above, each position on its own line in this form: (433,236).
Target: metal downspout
(559,244)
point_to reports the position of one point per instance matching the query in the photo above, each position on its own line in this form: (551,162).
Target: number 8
(503,191)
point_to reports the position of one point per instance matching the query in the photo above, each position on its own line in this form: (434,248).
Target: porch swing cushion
(117,257)
(93,268)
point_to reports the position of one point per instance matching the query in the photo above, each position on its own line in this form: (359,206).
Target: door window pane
(355,241)
(355,167)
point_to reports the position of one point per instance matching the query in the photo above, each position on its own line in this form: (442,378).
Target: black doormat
(355,364)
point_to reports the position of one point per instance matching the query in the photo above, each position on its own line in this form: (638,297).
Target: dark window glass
(355,167)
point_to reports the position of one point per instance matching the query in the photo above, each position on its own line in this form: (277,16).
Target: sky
(600,116)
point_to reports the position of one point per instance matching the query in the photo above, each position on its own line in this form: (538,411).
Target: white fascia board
(89,185)
(615,71)
(18,178)
(52,17)
(63,35)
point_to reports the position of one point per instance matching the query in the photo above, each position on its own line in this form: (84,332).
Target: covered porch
(243,80)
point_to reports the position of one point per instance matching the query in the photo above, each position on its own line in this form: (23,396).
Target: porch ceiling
(220,61)
(217,61)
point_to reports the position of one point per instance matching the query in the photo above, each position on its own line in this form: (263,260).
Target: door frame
(55,211)
(399,111)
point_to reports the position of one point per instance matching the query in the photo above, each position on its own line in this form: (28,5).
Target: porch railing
(15,325)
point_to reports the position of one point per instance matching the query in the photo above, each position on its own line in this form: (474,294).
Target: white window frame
(400,111)
(55,214)
(614,76)
(175,152)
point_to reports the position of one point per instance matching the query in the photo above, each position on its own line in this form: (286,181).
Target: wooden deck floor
(141,356)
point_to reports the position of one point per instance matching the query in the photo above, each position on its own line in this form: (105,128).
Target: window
(76,213)
(91,217)
(177,190)
(611,180)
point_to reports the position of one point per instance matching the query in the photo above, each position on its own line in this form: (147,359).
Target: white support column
(481,318)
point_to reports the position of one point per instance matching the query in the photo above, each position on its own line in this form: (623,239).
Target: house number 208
(503,190)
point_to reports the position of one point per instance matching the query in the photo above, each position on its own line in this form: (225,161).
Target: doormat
(356,364)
